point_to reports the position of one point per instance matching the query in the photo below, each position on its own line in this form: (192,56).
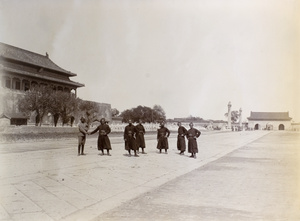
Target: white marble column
(240,119)
(229,115)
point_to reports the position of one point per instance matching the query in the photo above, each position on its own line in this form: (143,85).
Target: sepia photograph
(142,110)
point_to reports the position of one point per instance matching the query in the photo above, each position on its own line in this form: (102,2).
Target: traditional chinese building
(21,70)
(269,121)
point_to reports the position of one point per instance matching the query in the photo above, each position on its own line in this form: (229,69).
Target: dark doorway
(256,127)
(281,127)
(18,121)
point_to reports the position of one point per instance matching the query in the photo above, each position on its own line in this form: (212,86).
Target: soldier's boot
(78,150)
(82,150)
(135,154)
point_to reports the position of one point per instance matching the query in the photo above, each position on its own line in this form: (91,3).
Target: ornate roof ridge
(29,57)
(269,115)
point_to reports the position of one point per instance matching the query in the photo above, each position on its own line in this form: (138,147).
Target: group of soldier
(135,140)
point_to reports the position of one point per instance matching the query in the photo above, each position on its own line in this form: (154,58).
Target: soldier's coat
(129,137)
(192,134)
(140,139)
(181,138)
(103,140)
(162,136)
(83,129)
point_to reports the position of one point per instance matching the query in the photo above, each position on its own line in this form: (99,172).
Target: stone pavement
(48,181)
(260,181)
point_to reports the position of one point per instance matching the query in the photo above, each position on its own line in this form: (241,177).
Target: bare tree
(235,115)
(115,112)
(89,110)
(36,100)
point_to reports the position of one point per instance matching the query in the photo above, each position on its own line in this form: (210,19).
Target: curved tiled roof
(21,55)
(269,116)
(26,73)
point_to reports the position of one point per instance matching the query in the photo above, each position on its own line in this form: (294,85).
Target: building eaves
(269,116)
(37,76)
(21,55)
(13,115)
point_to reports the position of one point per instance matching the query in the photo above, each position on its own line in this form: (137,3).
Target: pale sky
(190,57)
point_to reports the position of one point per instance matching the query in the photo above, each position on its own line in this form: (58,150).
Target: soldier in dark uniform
(129,138)
(192,135)
(103,140)
(181,138)
(140,139)
(162,138)
(83,129)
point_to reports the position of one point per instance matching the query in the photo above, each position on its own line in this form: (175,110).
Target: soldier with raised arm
(103,139)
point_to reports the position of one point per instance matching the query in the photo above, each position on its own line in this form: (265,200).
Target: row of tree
(61,105)
(65,106)
(146,114)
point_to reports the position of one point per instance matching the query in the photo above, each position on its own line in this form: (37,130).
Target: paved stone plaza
(251,175)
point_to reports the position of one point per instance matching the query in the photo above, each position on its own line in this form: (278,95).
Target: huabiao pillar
(229,116)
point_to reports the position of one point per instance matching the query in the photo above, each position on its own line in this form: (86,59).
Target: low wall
(31,133)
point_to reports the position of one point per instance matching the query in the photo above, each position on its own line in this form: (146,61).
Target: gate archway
(256,127)
(269,126)
(281,127)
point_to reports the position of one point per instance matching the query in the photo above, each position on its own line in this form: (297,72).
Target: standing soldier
(192,135)
(140,139)
(103,140)
(129,138)
(162,137)
(181,138)
(83,129)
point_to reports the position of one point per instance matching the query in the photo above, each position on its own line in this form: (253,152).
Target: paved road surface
(259,181)
(47,181)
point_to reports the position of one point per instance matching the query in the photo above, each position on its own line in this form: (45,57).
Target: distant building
(21,70)
(199,122)
(269,121)
(296,126)
(116,120)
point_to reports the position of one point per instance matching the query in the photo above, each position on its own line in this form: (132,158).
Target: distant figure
(103,139)
(129,138)
(162,138)
(192,135)
(83,129)
(181,138)
(140,139)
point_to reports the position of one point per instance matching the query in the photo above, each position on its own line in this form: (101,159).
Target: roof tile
(11,52)
(269,116)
